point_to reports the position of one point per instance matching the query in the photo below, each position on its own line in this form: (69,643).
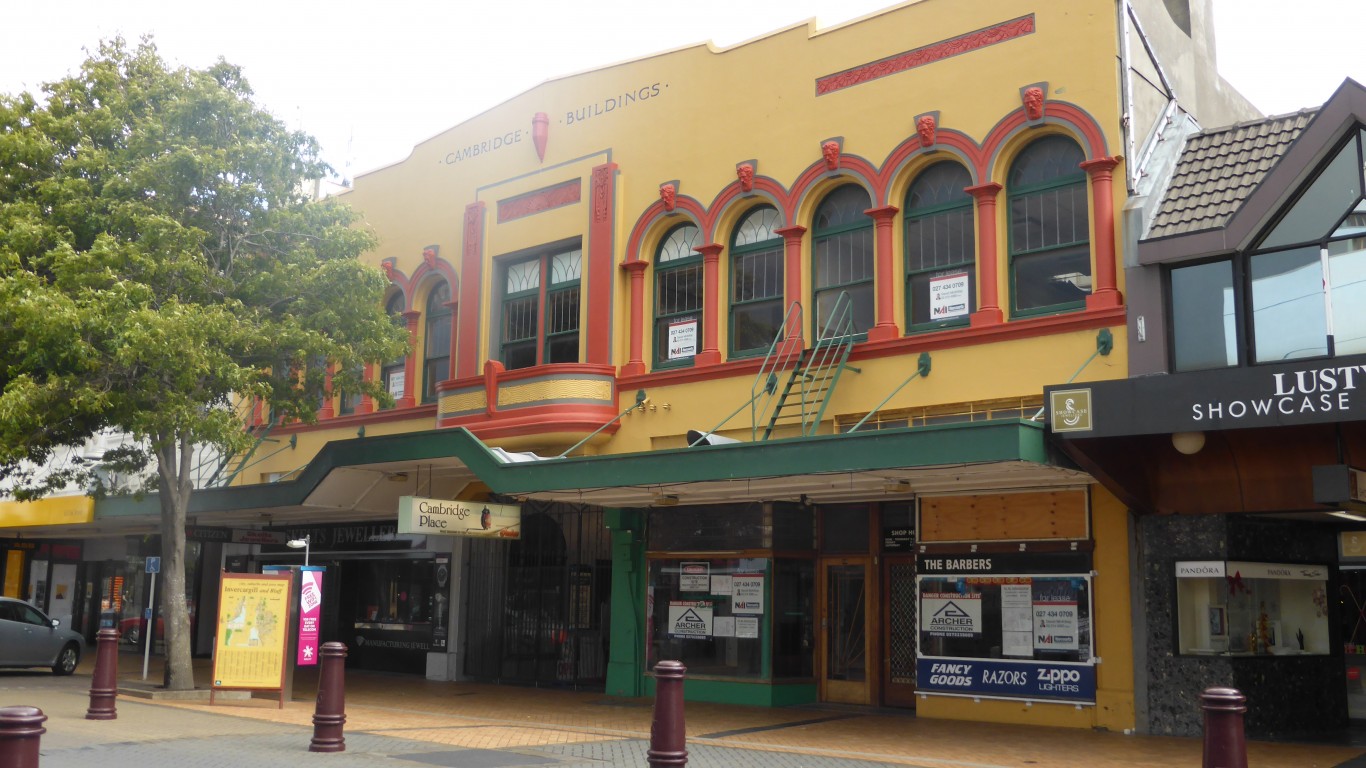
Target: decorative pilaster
(1105,291)
(598,265)
(711,303)
(988,295)
(885,272)
(636,365)
(471,277)
(367,404)
(792,267)
(410,362)
(326,411)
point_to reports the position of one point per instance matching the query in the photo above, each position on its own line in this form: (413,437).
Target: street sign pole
(149,628)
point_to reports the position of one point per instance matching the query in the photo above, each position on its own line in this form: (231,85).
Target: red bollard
(1225,746)
(668,741)
(20,731)
(104,685)
(330,713)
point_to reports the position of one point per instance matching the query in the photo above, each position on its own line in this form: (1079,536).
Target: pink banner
(310,613)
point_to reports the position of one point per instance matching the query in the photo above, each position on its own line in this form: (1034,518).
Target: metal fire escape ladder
(817,372)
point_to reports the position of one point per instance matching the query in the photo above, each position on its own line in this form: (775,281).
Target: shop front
(1239,536)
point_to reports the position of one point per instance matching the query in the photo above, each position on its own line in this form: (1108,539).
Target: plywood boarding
(1004,517)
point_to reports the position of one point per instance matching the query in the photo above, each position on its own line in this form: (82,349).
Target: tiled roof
(1219,169)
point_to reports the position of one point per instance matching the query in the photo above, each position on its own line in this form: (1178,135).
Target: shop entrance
(846,590)
(899,630)
(1352,597)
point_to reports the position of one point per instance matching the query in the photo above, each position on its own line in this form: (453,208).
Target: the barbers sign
(440,517)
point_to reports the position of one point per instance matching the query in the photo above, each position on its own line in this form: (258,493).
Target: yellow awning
(58,510)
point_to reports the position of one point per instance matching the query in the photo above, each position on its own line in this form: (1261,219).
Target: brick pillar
(1105,289)
(884,274)
(988,268)
(792,270)
(410,362)
(711,303)
(636,365)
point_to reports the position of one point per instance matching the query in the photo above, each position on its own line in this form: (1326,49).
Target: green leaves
(158,260)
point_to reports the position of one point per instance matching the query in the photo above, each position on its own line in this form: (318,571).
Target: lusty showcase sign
(1284,394)
(440,517)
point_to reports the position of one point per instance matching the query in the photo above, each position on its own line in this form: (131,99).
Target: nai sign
(440,517)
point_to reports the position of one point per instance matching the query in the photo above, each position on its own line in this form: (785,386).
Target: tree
(159,265)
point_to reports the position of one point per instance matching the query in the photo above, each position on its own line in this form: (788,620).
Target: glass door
(845,596)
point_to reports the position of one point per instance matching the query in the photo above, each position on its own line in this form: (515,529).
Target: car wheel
(67,660)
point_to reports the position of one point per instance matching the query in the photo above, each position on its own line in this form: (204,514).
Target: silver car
(28,638)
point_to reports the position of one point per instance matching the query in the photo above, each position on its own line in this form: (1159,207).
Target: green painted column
(626,663)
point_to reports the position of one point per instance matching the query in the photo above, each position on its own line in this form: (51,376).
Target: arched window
(941,279)
(391,374)
(756,282)
(436,358)
(542,327)
(1050,238)
(678,297)
(842,246)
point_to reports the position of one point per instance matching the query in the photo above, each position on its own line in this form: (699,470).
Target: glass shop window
(391,591)
(711,614)
(1251,609)
(1044,618)
(715,527)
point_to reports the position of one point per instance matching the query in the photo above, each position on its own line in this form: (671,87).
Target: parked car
(28,638)
(131,629)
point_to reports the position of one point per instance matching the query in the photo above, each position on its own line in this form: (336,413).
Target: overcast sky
(372,79)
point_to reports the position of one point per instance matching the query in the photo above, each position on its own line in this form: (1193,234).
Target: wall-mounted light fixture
(897,486)
(1188,443)
(666,500)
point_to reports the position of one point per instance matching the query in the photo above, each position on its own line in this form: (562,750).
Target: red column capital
(885,272)
(983,192)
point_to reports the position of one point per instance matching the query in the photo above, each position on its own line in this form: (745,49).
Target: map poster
(253,622)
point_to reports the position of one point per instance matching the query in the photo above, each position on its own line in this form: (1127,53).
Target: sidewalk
(396,715)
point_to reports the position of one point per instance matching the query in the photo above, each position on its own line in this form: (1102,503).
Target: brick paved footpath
(402,722)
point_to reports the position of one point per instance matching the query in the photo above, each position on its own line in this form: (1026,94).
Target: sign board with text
(477,519)
(252,630)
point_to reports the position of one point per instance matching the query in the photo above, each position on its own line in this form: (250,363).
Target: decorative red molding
(745,173)
(327,411)
(492,370)
(540,133)
(988,299)
(367,403)
(830,150)
(928,54)
(540,200)
(471,277)
(636,365)
(598,265)
(1032,98)
(1105,293)
(925,127)
(711,303)
(387,266)
(885,272)
(429,256)
(668,193)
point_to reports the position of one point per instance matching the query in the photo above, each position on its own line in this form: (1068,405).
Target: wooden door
(847,600)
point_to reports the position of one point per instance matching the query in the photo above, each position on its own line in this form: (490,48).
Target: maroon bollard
(1225,746)
(668,742)
(20,731)
(330,713)
(104,685)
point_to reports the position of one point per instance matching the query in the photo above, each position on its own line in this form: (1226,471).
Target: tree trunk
(174,456)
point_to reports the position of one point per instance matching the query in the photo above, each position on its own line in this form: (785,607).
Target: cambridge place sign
(440,517)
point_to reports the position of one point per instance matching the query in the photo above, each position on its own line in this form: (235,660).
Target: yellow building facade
(756,339)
